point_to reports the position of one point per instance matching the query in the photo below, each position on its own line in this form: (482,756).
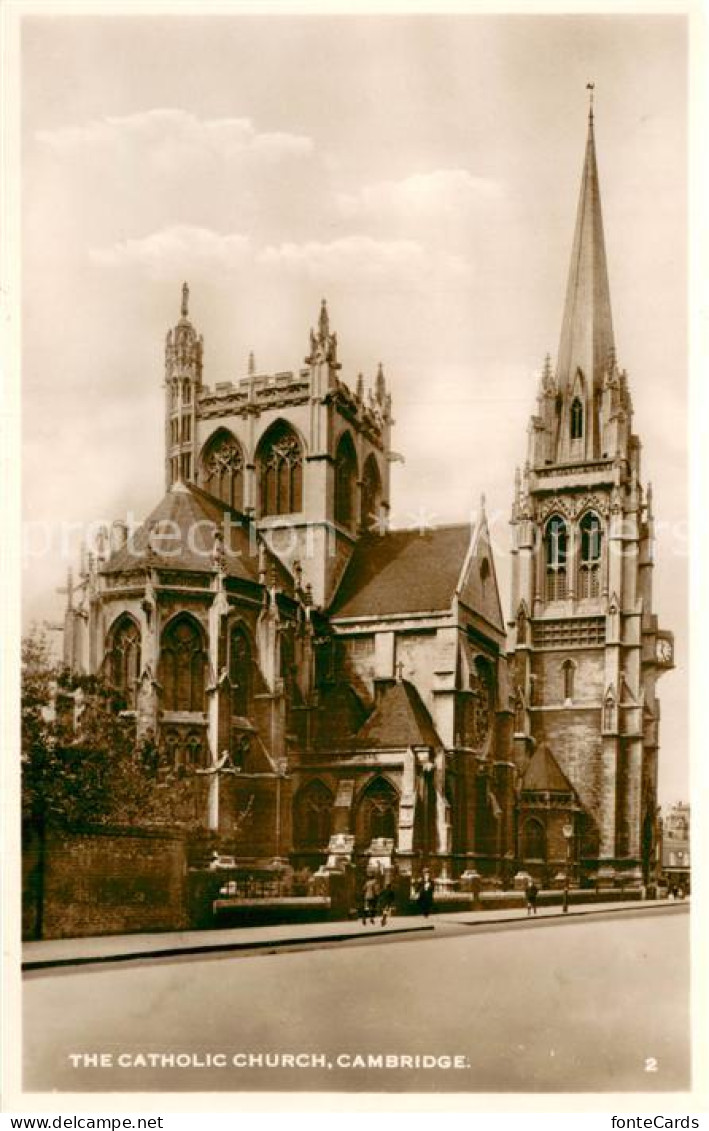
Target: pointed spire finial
(185,300)
(324,321)
(360,387)
(587,323)
(380,384)
(590,87)
(252,363)
(547,383)
(482,504)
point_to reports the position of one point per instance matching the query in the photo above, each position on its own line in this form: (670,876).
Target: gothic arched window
(479,705)
(240,670)
(378,812)
(590,563)
(223,469)
(608,712)
(345,481)
(124,658)
(280,465)
(556,539)
(194,749)
(576,419)
(534,841)
(313,816)
(183,665)
(371,493)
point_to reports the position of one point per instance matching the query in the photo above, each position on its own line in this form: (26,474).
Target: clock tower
(585,645)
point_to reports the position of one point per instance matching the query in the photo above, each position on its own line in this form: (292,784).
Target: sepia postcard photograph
(353,742)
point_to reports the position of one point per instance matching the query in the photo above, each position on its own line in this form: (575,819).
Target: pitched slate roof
(400,719)
(478,585)
(544,775)
(183,526)
(403,571)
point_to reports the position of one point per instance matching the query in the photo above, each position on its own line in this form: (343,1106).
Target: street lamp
(568,831)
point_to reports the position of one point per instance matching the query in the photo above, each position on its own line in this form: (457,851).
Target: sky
(419,172)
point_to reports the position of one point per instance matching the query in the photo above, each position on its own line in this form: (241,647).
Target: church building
(340,689)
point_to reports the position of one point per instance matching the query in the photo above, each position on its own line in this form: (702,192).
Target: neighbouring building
(676,861)
(348,688)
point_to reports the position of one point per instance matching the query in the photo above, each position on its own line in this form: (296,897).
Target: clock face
(664,651)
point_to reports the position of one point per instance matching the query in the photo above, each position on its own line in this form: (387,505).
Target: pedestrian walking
(425,894)
(532,892)
(370,894)
(387,901)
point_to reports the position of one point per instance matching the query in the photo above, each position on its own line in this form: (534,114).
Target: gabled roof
(587,327)
(544,775)
(477,587)
(403,571)
(183,525)
(399,720)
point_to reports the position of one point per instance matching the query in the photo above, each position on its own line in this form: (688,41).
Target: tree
(81,761)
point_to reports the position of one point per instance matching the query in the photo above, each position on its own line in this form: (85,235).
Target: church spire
(587,327)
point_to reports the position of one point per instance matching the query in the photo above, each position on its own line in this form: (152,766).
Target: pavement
(53,953)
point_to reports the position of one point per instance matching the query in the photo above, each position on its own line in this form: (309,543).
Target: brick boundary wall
(103,881)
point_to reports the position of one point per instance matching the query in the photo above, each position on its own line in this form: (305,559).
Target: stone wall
(574,738)
(103,882)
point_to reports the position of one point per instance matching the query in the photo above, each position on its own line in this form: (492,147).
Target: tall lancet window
(280,463)
(183,665)
(556,540)
(576,419)
(345,481)
(240,670)
(590,564)
(371,494)
(124,658)
(567,671)
(223,469)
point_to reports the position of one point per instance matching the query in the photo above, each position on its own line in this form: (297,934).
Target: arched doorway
(377,813)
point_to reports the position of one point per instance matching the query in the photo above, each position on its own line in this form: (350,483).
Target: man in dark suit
(425,894)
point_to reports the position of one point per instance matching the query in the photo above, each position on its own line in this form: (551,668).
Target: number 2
(650,1064)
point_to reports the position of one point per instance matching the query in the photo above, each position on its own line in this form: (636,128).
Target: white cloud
(423,194)
(170,252)
(406,263)
(171,135)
